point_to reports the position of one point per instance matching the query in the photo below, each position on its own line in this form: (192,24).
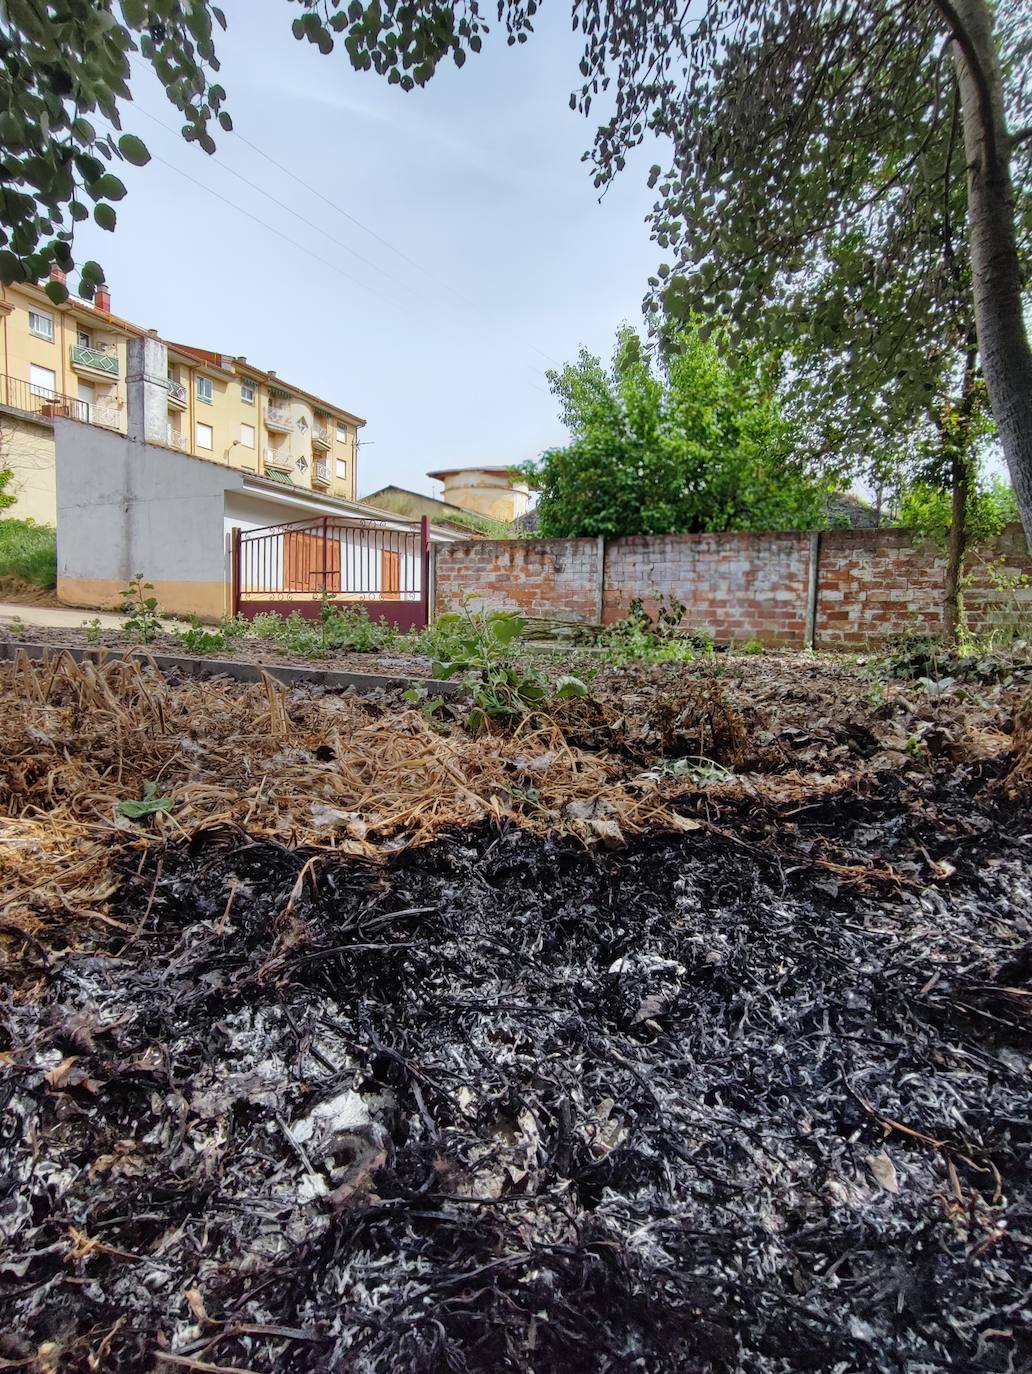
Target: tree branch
(1022,136)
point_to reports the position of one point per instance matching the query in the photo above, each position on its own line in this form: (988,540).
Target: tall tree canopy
(791,122)
(700,445)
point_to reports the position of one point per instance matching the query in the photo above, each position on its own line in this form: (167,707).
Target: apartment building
(79,360)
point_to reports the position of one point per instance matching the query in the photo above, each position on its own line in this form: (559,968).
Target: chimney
(102,299)
(56,274)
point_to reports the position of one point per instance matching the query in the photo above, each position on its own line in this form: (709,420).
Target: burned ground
(748,1097)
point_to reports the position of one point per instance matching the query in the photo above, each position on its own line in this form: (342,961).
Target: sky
(490,259)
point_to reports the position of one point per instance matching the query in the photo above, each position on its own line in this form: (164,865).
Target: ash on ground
(508,1105)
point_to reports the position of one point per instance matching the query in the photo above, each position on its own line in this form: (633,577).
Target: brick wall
(872,584)
(878,583)
(549,579)
(736,586)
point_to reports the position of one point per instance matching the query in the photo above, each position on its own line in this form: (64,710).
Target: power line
(339,209)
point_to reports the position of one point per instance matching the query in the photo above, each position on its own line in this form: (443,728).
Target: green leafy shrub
(198,639)
(92,630)
(143,615)
(28,551)
(480,651)
(641,637)
(751,646)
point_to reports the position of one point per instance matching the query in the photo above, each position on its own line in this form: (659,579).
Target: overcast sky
(477,179)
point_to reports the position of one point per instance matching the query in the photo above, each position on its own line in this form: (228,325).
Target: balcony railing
(40,400)
(321,472)
(279,418)
(177,394)
(97,358)
(178,440)
(277,458)
(321,436)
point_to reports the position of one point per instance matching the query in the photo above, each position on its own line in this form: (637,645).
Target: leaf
(105,216)
(884,1172)
(149,806)
(134,150)
(568,686)
(57,291)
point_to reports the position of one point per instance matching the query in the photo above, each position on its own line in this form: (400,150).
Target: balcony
(100,360)
(41,401)
(277,458)
(176,395)
(321,436)
(279,418)
(178,440)
(321,473)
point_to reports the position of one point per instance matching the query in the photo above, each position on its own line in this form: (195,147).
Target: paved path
(56,617)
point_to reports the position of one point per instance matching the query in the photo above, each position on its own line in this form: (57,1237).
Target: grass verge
(28,551)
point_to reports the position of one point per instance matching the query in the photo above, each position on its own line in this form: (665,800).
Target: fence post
(600,598)
(812,583)
(325,556)
(234,574)
(424,554)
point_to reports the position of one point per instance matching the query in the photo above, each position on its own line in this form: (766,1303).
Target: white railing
(178,440)
(277,458)
(279,415)
(321,471)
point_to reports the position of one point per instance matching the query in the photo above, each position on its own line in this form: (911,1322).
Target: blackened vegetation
(507,1105)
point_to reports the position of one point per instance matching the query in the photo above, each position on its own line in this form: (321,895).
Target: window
(204,436)
(204,391)
(42,325)
(247,436)
(247,393)
(341,466)
(42,381)
(342,432)
(83,339)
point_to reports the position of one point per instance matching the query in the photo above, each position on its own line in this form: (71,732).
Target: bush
(28,551)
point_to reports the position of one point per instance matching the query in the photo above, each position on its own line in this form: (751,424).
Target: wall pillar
(146,377)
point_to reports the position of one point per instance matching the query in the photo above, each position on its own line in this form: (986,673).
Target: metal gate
(296,566)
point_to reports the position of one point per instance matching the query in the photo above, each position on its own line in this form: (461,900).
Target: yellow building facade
(74,361)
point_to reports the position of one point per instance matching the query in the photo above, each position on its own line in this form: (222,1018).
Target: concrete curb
(288,674)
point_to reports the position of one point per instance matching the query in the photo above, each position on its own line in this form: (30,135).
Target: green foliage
(751,646)
(198,639)
(92,630)
(143,615)
(927,508)
(480,524)
(342,630)
(149,806)
(480,651)
(702,446)
(643,638)
(7,498)
(60,65)
(28,551)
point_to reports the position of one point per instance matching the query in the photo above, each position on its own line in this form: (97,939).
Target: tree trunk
(1002,340)
(957,540)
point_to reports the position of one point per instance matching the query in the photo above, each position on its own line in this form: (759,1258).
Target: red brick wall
(878,583)
(994,597)
(872,584)
(549,579)
(736,586)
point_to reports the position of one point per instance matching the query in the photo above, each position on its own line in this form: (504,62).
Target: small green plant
(143,615)
(150,804)
(656,638)
(916,748)
(28,551)
(419,696)
(503,690)
(233,627)
(92,630)
(198,639)
(752,646)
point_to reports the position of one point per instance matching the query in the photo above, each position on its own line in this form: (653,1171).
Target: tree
(60,64)
(702,445)
(771,106)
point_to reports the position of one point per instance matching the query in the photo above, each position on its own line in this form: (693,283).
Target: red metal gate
(297,565)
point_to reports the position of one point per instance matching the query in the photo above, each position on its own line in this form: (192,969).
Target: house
(414,504)
(79,361)
(499,493)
